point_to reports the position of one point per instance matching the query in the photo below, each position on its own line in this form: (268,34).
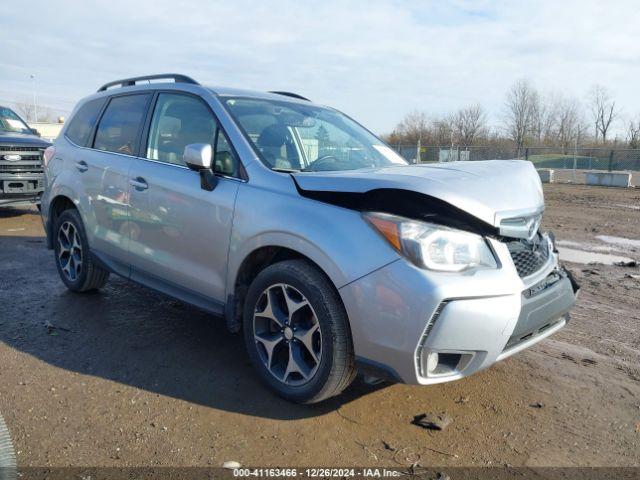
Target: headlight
(433,246)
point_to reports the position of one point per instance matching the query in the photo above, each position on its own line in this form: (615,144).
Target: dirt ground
(127,377)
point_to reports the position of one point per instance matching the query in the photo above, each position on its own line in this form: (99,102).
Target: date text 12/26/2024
(316,472)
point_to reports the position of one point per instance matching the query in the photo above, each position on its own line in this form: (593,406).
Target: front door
(179,233)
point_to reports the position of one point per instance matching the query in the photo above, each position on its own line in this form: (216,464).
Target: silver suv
(304,230)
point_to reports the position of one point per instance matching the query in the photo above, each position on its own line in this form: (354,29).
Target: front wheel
(297,333)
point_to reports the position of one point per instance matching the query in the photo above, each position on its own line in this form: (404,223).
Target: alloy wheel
(287,334)
(69,251)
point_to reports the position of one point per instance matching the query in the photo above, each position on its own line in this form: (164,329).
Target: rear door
(179,233)
(105,172)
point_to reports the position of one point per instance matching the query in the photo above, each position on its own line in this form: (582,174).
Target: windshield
(296,137)
(10,122)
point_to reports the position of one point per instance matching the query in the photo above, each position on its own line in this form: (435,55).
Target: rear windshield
(292,136)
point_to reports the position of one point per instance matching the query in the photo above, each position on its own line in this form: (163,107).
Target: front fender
(337,239)
(290,241)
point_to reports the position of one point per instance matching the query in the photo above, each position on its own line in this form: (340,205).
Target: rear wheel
(75,266)
(297,333)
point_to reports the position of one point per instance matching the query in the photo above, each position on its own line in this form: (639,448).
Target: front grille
(30,159)
(16,148)
(529,257)
(23,158)
(18,167)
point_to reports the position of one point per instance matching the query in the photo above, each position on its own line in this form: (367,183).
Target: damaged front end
(499,199)
(480,220)
(489,196)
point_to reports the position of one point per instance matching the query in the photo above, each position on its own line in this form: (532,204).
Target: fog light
(432,362)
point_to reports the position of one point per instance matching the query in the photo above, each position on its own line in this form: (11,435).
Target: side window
(178,120)
(121,124)
(83,121)
(225,161)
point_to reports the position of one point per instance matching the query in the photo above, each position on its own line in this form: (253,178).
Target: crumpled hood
(490,190)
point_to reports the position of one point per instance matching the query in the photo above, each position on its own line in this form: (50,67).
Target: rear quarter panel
(61,180)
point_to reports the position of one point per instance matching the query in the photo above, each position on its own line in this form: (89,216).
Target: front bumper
(21,189)
(401,316)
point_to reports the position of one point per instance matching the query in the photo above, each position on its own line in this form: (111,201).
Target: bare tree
(413,127)
(603,110)
(519,107)
(468,124)
(571,127)
(441,131)
(45,114)
(25,110)
(544,117)
(633,133)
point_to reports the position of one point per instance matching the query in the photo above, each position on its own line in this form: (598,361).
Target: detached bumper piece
(545,310)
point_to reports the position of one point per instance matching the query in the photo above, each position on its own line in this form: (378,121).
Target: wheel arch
(259,256)
(57,205)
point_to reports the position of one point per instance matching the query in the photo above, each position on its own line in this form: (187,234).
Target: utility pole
(419,147)
(451,151)
(35,104)
(575,160)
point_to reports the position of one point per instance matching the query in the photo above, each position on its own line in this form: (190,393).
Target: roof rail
(290,94)
(128,82)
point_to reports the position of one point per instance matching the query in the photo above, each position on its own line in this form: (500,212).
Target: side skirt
(159,285)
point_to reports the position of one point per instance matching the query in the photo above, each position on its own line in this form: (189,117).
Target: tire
(297,333)
(75,265)
(7,455)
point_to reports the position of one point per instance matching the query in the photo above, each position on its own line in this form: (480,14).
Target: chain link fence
(569,163)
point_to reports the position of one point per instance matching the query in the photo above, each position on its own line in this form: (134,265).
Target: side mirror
(198,157)
(35,132)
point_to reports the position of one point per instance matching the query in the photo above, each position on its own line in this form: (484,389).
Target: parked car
(304,230)
(21,150)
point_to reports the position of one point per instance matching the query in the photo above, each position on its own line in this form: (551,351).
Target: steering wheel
(320,161)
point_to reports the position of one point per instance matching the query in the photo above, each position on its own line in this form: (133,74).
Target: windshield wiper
(285,170)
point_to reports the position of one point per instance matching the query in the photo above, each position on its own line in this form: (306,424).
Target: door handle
(82,166)
(139,183)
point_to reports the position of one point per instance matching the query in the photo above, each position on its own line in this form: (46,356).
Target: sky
(375,60)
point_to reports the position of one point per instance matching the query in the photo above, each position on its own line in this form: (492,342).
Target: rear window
(83,121)
(121,123)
